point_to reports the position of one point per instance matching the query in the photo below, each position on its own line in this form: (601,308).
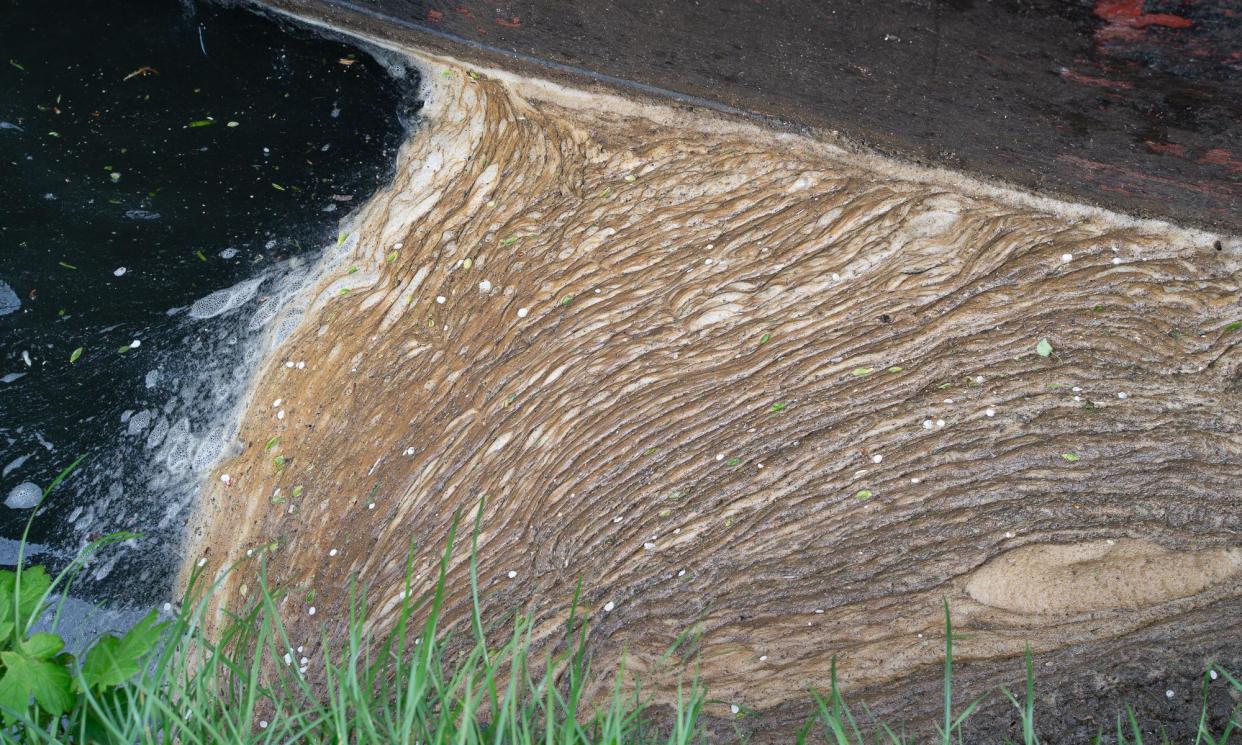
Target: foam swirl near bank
(785,394)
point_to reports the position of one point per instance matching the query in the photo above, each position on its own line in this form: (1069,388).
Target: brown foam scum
(752,385)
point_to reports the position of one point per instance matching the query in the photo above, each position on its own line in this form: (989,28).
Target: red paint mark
(1115,11)
(1166,148)
(1077,77)
(1129,13)
(435,15)
(1168,20)
(514,22)
(1219,156)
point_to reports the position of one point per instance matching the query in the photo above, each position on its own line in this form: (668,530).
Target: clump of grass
(415,684)
(171,682)
(836,724)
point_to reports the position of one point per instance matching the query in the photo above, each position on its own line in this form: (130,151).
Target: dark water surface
(152,154)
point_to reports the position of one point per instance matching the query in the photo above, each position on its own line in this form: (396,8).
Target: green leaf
(201,256)
(66,266)
(76,355)
(863,494)
(861,371)
(200,123)
(277,186)
(13,697)
(34,584)
(392,256)
(565,301)
(1043,348)
(764,339)
(112,661)
(510,240)
(895,369)
(49,682)
(778,406)
(17,64)
(42,646)
(1071,457)
(297,491)
(279,461)
(732,462)
(1234,326)
(271,443)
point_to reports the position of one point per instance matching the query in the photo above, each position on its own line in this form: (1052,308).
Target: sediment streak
(754,385)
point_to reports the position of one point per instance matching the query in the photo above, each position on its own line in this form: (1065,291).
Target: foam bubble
(157,434)
(179,446)
(139,422)
(24,496)
(265,313)
(285,328)
(208,451)
(226,300)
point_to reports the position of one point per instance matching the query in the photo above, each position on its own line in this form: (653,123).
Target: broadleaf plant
(39,681)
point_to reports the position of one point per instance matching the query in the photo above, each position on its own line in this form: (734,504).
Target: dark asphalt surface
(1131,104)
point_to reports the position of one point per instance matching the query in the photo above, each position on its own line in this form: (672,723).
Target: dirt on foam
(758,385)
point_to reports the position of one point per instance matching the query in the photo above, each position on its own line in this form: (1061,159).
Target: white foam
(24,496)
(223,301)
(9,301)
(157,434)
(16,463)
(139,422)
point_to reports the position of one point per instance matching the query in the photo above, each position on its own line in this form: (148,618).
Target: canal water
(167,169)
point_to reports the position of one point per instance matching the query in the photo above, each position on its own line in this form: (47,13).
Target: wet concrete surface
(1131,104)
